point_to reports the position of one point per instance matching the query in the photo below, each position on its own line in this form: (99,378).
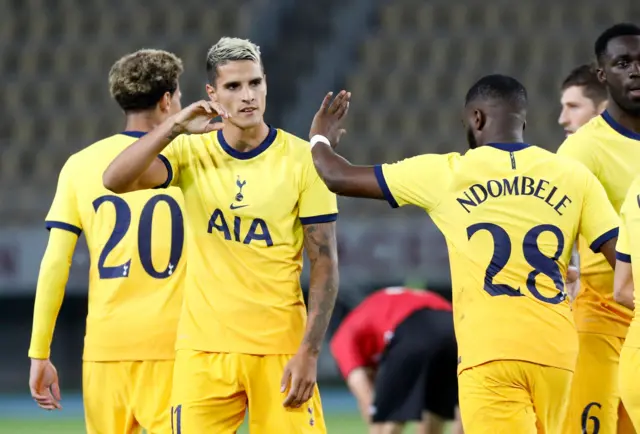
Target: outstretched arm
(342,177)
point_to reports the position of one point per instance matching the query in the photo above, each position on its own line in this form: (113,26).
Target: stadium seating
(54,70)
(418,63)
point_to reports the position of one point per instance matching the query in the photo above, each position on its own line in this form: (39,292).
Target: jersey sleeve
(623,251)
(415,181)
(64,213)
(599,221)
(171,157)
(346,345)
(316,203)
(577,147)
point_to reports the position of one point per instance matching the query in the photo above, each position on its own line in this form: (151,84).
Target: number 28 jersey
(510,214)
(136,245)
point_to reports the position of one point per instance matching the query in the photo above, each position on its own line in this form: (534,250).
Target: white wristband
(319,138)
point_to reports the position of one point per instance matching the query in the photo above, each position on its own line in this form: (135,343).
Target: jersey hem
(325,218)
(623,257)
(52,224)
(386,192)
(475,365)
(597,244)
(167,164)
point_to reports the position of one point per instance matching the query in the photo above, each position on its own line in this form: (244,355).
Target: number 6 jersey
(136,245)
(510,214)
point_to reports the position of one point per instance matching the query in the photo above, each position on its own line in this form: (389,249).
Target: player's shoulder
(292,143)
(590,137)
(96,153)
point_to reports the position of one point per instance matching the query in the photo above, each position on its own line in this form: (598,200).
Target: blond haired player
(510,213)
(253,199)
(137,265)
(627,272)
(608,146)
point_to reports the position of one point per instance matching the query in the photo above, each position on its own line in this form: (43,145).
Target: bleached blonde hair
(230,50)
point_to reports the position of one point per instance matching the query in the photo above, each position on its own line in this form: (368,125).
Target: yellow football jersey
(245,212)
(136,245)
(610,152)
(629,251)
(509,214)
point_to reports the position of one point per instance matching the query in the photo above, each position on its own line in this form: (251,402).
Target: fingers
(294,392)
(286,377)
(212,108)
(214,127)
(344,106)
(325,101)
(55,390)
(337,102)
(46,401)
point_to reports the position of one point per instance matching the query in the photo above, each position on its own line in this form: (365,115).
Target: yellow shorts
(509,397)
(629,383)
(124,397)
(211,392)
(594,404)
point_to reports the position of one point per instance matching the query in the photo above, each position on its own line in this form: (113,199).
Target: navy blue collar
(619,128)
(136,134)
(271,137)
(509,147)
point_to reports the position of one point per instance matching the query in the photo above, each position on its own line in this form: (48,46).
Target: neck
(624,118)
(244,140)
(142,121)
(511,137)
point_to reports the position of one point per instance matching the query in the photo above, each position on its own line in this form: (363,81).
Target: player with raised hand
(137,265)
(608,146)
(253,200)
(510,213)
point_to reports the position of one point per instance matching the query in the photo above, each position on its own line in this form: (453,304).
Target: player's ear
(479,119)
(211,91)
(601,74)
(165,102)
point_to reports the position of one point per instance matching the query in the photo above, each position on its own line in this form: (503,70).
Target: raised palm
(328,120)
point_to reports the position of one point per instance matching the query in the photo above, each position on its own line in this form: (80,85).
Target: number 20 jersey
(136,248)
(510,214)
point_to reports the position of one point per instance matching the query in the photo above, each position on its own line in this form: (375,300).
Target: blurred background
(408,64)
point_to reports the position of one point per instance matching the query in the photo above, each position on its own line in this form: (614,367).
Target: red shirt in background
(363,334)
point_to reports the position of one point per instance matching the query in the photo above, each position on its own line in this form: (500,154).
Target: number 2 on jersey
(540,263)
(123,222)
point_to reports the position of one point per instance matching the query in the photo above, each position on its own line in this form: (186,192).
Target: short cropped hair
(585,77)
(230,50)
(138,80)
(499,87)
(615,31)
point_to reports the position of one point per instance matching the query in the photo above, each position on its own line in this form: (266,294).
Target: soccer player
(608,146)
(628,271)
(510,213)
(397,351)
(253,199)
(137,265)
(583,97)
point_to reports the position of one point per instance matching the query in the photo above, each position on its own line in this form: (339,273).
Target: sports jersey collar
(619,128)
(249,154)
(509,147)
(136,134)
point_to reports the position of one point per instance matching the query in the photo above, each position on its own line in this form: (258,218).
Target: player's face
(621,72)
(577,109)
(242,90)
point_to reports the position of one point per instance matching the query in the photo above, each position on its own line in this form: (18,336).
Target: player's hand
(328,120)
(43,382)
(196,118)
(573,282)
(300,378)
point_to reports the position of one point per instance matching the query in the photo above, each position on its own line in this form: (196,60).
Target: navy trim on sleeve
(49,224)
(166,163)
(623,257)
(595,246)
(377,169)
(326,218)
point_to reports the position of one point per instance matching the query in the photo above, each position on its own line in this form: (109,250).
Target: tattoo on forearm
(320,243)
(175,132)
